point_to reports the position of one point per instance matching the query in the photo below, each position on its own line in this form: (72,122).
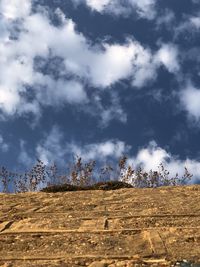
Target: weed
(80,176)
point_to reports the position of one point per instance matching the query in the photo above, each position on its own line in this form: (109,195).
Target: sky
(100,79)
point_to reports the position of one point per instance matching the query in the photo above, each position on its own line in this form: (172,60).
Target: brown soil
(126,227)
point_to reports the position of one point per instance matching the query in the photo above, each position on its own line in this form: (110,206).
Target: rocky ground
(126,227)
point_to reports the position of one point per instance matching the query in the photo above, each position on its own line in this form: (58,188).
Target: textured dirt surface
(126,227)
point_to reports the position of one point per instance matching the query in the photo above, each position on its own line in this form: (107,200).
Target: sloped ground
(126,227)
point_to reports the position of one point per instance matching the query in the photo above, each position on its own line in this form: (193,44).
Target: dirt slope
(126,227)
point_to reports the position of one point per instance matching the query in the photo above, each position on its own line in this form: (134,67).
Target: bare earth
(126,227)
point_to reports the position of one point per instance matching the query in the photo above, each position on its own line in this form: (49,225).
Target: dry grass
(82,176)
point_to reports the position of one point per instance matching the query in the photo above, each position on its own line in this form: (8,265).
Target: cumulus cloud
(59,92)
(168,56)
(100,151)
(97,5)
(113,64)
(26,85)
(143,8)
(19,76)
(190,99)
(15,9)
(147,63)
(54,148)
(151,156)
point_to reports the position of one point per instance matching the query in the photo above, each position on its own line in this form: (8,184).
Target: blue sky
(100,78)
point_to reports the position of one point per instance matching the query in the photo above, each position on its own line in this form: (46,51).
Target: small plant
(52,174)
(5,178)
(140,178)
(29,181)
(126,172)
(80,176)
(105,172)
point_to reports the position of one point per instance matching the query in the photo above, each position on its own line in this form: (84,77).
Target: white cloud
(165,19)
(144,67)
(191,24)
(4,147)
(143,8)
(168,56)
(195,21)
(35,39)
(107,113)
(24,157)
(190,99)
(82,63)
(100,151)
(97,5)
(53,148)
(102,66)
(57,93)
(113,64)
(9,100)
(15,9)
(151,157)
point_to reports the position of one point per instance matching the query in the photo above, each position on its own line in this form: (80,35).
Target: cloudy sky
(100,78)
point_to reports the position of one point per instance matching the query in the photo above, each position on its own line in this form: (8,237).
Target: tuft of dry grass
(82,175)
(109,185)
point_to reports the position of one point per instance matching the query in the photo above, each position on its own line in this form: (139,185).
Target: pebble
(98,264)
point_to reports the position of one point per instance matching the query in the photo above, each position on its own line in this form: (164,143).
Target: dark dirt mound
(110,185)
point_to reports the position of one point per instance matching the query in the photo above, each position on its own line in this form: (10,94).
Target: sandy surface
(126,227)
